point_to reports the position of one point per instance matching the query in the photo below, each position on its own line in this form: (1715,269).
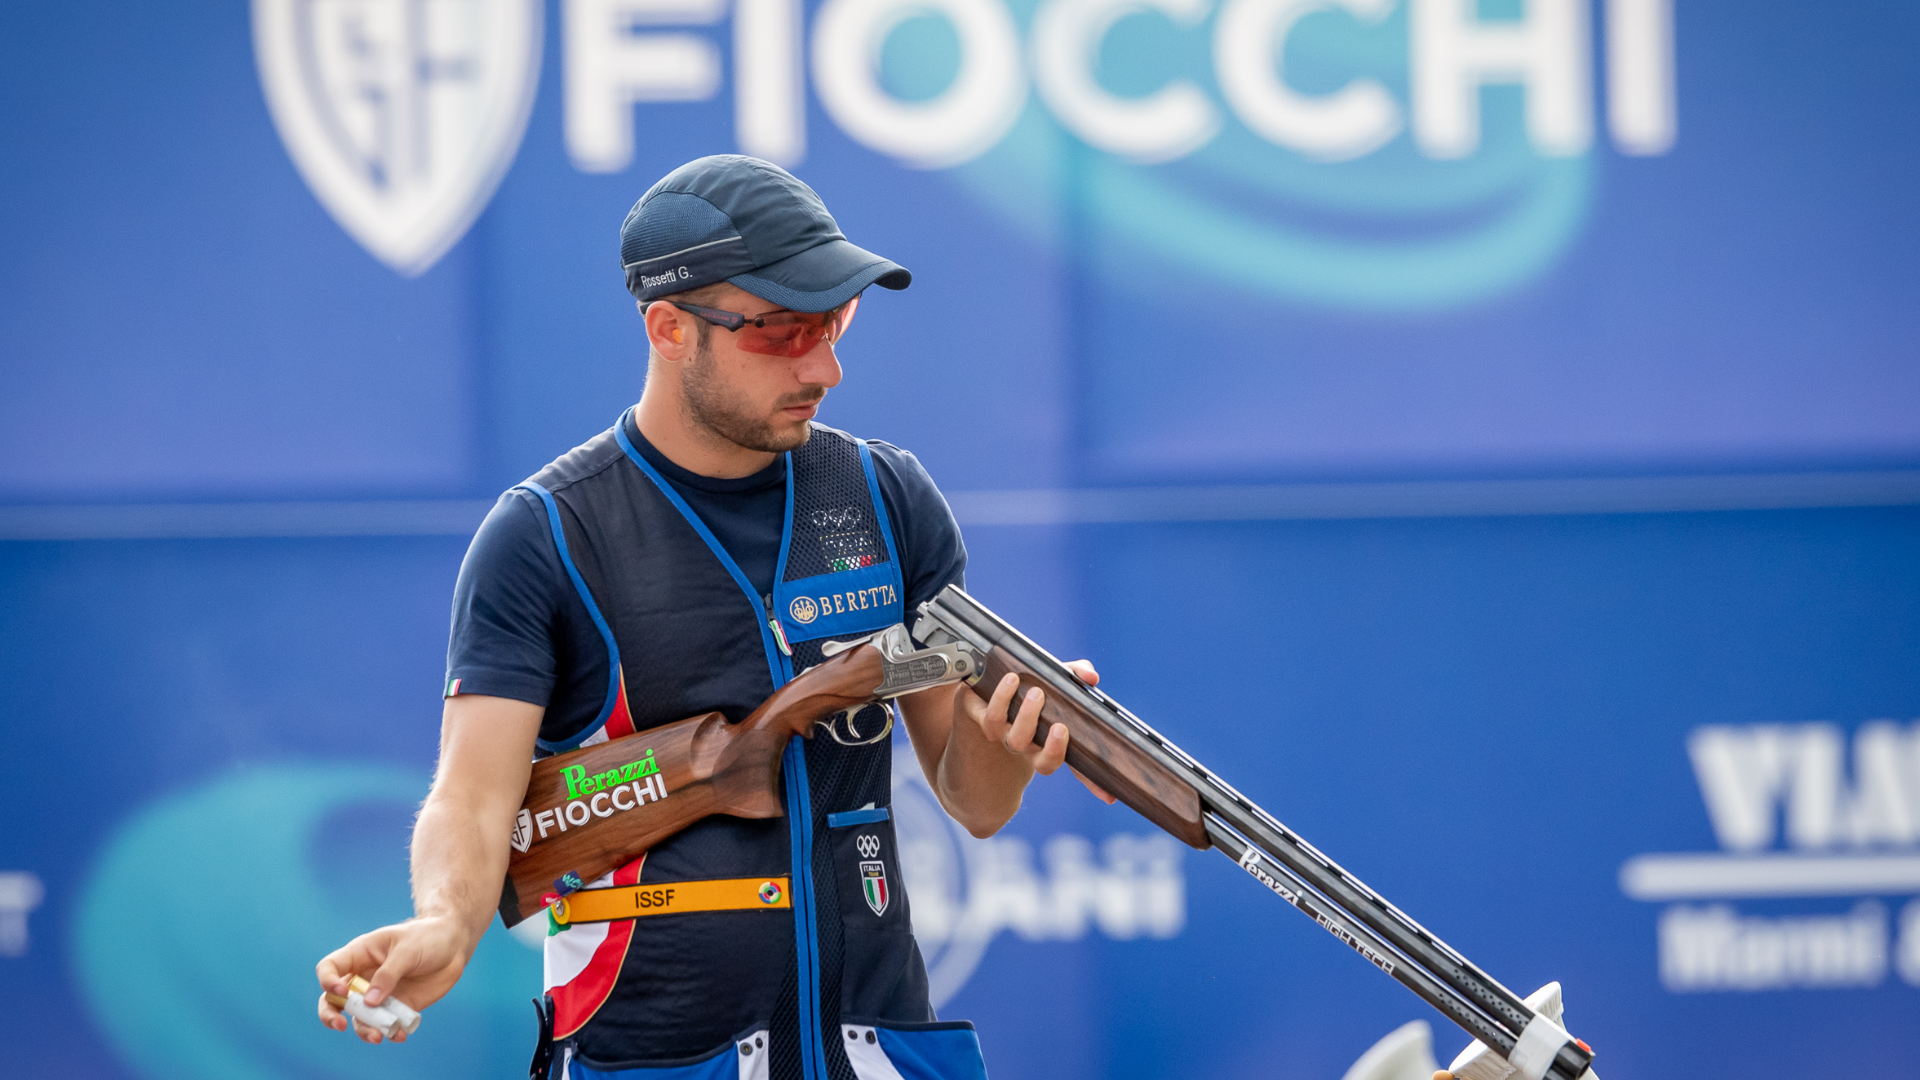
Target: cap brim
(822,277)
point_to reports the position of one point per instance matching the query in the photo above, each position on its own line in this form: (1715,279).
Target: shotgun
(574,825)
(591,810)
(1116,750)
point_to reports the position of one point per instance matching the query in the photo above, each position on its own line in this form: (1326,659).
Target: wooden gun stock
(591,810)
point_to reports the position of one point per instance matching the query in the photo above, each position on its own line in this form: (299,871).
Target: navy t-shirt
(521,631)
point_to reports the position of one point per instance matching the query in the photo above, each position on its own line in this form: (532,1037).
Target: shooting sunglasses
(778,333)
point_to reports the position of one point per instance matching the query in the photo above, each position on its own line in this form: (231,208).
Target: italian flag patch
(873,882)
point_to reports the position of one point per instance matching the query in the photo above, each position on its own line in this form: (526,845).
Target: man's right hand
(417,961)
(459,860)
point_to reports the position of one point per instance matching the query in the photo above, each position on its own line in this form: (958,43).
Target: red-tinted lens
(795,333)
(843,318)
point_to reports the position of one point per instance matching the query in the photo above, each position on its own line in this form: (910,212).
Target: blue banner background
(220,729)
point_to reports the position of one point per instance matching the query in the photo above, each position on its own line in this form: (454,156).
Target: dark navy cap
(751,223)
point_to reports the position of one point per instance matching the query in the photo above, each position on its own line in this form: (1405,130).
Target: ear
(668,332)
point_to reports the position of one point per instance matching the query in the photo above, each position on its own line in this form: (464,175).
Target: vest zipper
(779,632)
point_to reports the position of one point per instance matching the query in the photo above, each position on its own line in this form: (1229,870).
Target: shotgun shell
(391,1018)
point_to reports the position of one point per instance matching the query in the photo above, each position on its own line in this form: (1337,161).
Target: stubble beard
(727,414)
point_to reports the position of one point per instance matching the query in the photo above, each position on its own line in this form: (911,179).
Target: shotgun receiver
(1136,764)
(592,809)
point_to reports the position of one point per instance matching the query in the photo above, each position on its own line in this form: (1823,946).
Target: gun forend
(1105,743)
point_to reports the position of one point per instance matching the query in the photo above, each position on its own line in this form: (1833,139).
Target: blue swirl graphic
(196,936)
(1392,231)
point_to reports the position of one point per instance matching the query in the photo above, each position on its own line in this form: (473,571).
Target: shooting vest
(808,991)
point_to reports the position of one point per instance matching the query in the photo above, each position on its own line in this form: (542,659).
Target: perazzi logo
(579,783)
(601,795)
(1251,863)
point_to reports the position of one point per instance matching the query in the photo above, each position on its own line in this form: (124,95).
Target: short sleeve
(505,607)
(932,554)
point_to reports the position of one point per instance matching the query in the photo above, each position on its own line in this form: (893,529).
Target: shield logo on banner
(402,115)
(873,882)
(522,837)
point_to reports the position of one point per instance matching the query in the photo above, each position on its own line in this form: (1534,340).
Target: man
(659,571)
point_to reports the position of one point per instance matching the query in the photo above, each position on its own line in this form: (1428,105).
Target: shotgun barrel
(1144,769)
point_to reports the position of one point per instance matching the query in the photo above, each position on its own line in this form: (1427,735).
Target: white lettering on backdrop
(1793,825)
(402,115)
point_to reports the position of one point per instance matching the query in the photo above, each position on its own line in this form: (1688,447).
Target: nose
(818,366)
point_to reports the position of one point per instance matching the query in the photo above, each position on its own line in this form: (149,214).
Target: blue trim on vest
(593,610)
(806,940)
(857,817)
(934,1052)
(879,505)
(766,632)
(780,568)
(813,1056)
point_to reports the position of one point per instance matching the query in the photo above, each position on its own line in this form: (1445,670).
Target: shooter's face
(753,400)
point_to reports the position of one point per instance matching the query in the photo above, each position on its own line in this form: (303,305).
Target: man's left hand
(1044,757)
